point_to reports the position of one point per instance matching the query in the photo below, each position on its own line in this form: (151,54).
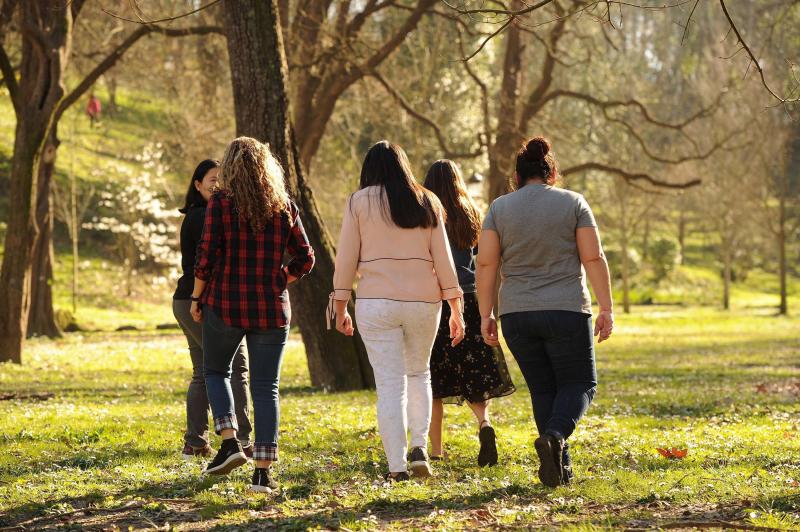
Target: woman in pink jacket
(393,236)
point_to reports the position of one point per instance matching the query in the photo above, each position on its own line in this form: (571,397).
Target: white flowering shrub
(133,210)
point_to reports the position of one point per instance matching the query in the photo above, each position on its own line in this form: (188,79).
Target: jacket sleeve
(298,246)
(347,253)
(443,263)
(210,245)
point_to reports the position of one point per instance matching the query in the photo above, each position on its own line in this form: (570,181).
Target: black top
(464,260)
(191,231)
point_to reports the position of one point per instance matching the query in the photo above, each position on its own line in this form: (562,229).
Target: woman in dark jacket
(203,182)
(471,371)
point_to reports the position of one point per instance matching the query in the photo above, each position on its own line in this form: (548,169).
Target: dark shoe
(419,463)
(549,449)
(396,477)
(566,475)
(229,457)
(190,453)
(248,452)
(487,456)
(263,481)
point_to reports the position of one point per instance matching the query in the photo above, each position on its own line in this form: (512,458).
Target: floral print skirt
(471,371)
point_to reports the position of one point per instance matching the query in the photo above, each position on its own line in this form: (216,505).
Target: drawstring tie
(330,312)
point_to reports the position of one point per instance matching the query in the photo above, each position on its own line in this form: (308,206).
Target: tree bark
(259,75)
(42,321)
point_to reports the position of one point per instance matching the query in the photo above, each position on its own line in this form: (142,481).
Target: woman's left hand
(457,327)
(489,331)
(196,312)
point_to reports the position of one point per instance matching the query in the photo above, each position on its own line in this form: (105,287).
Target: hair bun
(537,148)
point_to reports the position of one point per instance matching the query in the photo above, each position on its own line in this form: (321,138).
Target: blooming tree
(133,210)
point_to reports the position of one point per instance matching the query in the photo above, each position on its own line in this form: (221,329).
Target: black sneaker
(396,477)
(419,462)
(487,456)
(229,457)
(549,448)
(263,481)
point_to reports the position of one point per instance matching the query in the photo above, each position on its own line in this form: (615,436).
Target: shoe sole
(421,468)
(260,489)
(233,461)
(193,457)
(548,473)
(487,456)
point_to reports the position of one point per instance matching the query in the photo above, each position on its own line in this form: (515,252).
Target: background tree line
(688,162)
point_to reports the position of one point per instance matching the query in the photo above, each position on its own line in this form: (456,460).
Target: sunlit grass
(723,385)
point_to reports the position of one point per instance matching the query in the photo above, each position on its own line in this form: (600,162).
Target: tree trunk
(726,278)
(21,237)
(681,233)
(259,77)
(41,320)
(35,96)
(626,276)
(501,152)
(783,308)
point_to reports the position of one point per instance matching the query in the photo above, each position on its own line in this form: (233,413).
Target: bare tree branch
(112,58)
(628,176)
(401,101)
(753,58)
(157,21)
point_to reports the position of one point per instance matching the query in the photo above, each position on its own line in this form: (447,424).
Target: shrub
(664,256)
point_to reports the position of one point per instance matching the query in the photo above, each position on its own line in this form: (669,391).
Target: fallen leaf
(672,453)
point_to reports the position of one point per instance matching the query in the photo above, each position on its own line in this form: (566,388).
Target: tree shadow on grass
(142,506)
(384,511)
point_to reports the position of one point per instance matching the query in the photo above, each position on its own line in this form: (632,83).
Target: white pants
(399,336)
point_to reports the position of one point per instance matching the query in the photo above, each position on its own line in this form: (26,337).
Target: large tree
(259,73)
(39,97)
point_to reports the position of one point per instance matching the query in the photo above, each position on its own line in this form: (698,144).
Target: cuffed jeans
(555,352)
(196,397)
(265,347)
(399,336)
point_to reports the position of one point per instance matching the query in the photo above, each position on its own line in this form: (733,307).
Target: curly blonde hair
(253,178)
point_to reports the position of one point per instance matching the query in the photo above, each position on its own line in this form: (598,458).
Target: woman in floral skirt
(472,371)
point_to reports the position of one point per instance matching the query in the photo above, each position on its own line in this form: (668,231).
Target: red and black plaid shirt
(246,282)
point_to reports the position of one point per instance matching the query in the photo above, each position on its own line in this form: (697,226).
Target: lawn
(103,450)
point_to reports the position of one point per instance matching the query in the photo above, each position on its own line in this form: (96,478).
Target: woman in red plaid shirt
(240,292)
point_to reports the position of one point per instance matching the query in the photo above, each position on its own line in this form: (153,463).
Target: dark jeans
(266,353)
(555,351)
(196,397)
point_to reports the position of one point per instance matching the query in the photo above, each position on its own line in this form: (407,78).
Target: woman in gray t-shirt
(544,241)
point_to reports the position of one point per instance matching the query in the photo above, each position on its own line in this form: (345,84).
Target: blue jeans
(265,347)
(555,351)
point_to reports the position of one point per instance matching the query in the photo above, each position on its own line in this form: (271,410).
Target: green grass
(103,451)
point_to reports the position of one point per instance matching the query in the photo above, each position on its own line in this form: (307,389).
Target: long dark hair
(193,196)
(410,205)
(535,160)
(463,219)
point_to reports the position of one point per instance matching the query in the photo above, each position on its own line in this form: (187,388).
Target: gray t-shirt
(541,268)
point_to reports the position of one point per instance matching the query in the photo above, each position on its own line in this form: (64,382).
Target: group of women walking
(411,247)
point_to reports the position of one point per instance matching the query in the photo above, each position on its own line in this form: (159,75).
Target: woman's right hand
(344,323)
(457,327)
(604,325)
